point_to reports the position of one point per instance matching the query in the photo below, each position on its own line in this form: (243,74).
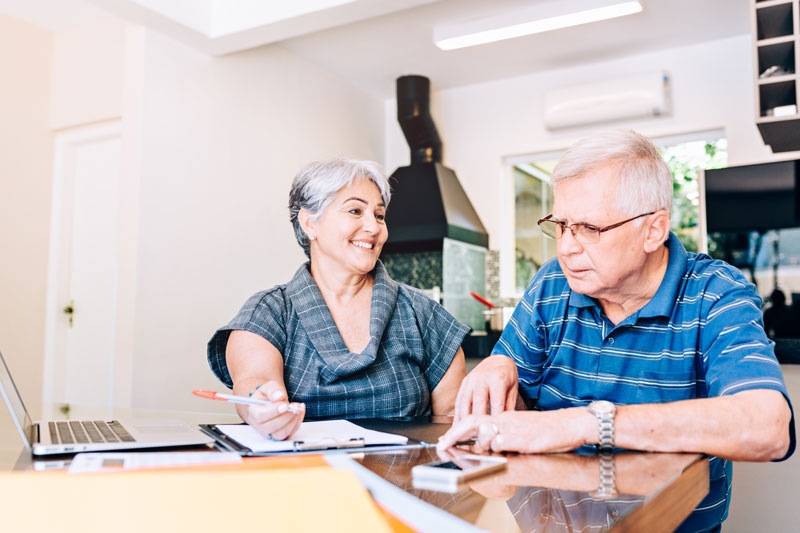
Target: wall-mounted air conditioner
(632,97)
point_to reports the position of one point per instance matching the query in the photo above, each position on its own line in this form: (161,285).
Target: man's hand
(561,430)
(490,388)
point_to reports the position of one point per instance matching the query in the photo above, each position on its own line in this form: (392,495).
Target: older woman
(340,339)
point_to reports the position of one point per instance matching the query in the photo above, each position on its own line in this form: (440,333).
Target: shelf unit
(777,34)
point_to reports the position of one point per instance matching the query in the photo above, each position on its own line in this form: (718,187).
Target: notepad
(312,436)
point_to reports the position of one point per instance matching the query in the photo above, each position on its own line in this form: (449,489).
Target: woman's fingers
(275,423)
(271,390)
(278,420)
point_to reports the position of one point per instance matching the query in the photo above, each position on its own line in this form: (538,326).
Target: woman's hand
(277,421)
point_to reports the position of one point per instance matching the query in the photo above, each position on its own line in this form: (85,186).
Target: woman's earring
(312,237)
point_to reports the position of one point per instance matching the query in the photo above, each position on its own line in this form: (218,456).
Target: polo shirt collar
(663,301)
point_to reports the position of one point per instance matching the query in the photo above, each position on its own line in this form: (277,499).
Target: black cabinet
(776,33)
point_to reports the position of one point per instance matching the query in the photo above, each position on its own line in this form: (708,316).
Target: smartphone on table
(449,475)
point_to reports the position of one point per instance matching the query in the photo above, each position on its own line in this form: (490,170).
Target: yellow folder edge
(314,498)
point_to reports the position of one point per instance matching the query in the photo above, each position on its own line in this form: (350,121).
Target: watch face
(602,407)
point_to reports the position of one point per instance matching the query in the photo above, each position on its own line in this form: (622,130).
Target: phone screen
(465,464)
(449,465)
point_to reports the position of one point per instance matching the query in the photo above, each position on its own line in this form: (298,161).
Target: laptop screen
(14,402)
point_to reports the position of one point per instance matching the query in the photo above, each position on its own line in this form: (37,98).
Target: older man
(626,340)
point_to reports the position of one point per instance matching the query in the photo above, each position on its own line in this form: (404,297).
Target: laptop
(73,436)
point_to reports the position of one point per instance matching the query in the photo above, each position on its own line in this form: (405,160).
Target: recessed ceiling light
(544,17)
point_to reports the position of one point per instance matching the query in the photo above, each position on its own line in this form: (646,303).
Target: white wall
(221,140)
(87,74)
(25,175)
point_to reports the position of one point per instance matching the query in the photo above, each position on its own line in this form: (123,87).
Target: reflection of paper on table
(106,461)
(309,432)
(417,514)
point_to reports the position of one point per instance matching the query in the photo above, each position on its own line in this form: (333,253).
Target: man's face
(608,269)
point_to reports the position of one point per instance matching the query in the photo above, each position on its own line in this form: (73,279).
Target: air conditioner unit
(633,97)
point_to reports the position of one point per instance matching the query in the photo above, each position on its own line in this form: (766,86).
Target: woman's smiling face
(352,228)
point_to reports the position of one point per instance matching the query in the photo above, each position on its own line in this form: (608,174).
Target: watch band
(604,411)
(607,487)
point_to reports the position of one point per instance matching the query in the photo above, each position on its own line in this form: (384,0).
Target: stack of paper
(311,436)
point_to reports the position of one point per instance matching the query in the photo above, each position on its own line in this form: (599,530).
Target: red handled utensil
(482,300)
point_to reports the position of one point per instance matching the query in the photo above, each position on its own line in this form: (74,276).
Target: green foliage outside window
(684,160)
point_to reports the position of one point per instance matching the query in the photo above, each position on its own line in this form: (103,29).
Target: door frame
(61,212)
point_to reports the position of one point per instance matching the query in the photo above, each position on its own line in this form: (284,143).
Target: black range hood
(428,203)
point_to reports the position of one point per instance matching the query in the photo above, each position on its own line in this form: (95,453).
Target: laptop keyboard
(83,432)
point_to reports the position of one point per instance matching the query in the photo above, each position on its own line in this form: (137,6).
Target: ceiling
(372,42)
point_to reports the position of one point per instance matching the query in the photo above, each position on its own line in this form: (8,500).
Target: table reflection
(554,492)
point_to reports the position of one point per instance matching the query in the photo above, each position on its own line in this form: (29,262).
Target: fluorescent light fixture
(544,17)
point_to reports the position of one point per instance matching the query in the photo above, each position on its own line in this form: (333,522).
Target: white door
(83,271)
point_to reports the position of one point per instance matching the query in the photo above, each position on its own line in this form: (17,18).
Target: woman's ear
(658,227)
(304,217)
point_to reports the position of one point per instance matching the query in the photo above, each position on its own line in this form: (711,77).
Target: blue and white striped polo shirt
(701,335)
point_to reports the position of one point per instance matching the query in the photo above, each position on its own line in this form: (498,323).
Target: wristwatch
(607,488)
(604,411)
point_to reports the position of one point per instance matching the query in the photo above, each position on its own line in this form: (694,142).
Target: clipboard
(312,437)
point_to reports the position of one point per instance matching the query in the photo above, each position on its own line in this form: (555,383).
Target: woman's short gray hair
(644,182)
(317,183)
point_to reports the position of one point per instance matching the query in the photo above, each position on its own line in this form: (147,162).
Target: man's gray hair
(644,182)
(317,183)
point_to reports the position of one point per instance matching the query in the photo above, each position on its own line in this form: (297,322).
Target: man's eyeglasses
(583,233)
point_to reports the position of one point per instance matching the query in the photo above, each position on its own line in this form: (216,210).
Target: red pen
(211,395)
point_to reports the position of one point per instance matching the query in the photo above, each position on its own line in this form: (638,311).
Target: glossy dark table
(650,492)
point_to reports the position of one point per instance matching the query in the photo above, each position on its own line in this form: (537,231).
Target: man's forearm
(748,426)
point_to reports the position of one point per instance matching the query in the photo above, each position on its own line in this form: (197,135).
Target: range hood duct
(428,203)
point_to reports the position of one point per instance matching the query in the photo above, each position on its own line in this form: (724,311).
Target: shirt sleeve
(442,336)
(737,354)
(264,314)
(524,339)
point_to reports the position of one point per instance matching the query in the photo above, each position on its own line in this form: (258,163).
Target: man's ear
(658,226)
(304,217)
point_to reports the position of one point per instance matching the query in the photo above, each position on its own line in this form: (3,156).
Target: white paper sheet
(325,431)
(115,461)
